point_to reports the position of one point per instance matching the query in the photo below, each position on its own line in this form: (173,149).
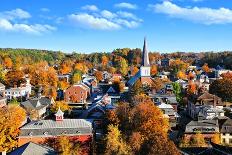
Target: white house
(22,91)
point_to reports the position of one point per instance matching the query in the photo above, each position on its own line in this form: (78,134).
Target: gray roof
(46,128)
(203,123)
(33,149)
(227,126)
(37,103)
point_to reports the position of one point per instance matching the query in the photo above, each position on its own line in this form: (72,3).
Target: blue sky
(103,25)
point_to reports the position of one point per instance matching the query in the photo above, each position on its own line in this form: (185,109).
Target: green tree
(76,76)
(123,67)
(178,92)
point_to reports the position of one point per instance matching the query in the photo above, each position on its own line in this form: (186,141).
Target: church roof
(145,58)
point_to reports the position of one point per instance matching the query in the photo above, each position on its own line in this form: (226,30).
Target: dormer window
(45,133)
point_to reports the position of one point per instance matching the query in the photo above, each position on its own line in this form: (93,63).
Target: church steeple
(145,57)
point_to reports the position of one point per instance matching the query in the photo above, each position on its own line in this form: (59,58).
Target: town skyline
(91,26)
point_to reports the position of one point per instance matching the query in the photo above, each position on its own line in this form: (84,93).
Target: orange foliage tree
(99,75)
(206,68)
(8,62)
(181,75)
(12,118)
(15,77)
(146,128)
(134,70)
(154,70)
(104,60)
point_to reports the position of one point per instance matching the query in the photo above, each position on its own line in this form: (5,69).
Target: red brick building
(77,93)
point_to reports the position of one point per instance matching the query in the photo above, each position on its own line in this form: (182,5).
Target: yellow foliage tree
(12,118)
(216,138)
(105,60)
(181,75)
(198,140)
(114,142)
(62,105)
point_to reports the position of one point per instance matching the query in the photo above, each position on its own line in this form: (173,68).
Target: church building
(144,72)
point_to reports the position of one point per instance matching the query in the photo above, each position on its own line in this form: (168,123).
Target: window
(230,134)
(45,133)
(223,140)
(230,141)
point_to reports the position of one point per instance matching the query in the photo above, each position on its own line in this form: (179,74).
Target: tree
(115,145)
(222,88)
(8,63)
(62,105)
(135,141)
(64,145)
(65,68)
(63,85)
(12,118)
(105,60)
(177,65)
(81,67)
(14,102)
(198,140)
(185,142)
(154,70)
(76,76)
(136,89)
(99,75)
(123,66)
(112,117)
(216,138)
(178,92)
(134,70)
(15,78)
(191,88)
(205,68)
(158,144)
(190,76)
(145,127)
(181,75)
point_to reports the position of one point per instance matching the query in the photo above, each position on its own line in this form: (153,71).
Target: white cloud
(129,24)
(90,21)
(126,5)
(15,14)
(14,21)
(90,7)
(128,15)
(108,14)
(37,29)
(104,19)
(196,14)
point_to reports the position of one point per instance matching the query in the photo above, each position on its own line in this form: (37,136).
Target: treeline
(131,57)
